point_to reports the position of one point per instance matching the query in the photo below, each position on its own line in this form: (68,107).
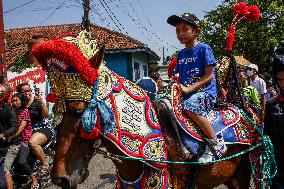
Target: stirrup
(211,148)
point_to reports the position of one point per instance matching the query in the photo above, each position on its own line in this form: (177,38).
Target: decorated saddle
(117,109)
(228,123)
(135,128)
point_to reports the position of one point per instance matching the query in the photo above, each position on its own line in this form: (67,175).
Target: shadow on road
(108,178)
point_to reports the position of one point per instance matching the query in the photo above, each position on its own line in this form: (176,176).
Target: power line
(140,27)
(132,8)
(47,9)
(56,9)
(19,6)
(154,33)
(111,15)
(101,18)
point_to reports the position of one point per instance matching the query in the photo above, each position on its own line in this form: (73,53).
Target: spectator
(271,91)
(8,127)
(157,78)
(42,129)
(258,83)
(274,119)
(250,93)
(22,149)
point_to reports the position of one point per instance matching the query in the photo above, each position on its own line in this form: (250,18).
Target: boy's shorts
(200,103)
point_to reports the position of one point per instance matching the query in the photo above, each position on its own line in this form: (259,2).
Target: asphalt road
(102,175)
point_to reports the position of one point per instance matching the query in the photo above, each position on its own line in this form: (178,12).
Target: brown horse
(73,153)
(234,173)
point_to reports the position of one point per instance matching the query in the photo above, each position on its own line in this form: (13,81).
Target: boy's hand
(186,89)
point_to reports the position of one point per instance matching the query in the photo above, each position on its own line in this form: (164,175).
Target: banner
(36,75)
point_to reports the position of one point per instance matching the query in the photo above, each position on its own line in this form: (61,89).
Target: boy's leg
(203,123)
(9,180)
(9,159)
(197,108)
(23,156)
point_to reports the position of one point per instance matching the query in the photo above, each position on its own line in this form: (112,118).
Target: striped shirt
(27,132)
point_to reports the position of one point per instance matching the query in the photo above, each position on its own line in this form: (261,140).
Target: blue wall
(119,63)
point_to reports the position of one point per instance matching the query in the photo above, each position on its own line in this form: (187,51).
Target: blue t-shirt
(191,68)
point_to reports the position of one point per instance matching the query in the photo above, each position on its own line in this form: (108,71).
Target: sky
(144,20)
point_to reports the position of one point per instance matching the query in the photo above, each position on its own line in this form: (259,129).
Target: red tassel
(240,10)
(254,13)
(69,54)
(230,38)
(172,66)
(51,98)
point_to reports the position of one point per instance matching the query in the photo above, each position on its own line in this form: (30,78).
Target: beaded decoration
(117,108)
(227,123)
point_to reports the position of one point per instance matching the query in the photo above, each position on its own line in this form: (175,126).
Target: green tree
(255,41)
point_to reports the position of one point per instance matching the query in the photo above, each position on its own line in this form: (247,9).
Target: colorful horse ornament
(94,104)
(185,143)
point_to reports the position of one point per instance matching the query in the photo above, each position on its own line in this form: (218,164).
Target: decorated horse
(95,106)
(150,143)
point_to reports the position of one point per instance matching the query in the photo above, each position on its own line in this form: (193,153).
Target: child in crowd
(22,149)
(195,67)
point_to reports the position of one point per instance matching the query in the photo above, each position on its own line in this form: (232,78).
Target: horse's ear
(98,58)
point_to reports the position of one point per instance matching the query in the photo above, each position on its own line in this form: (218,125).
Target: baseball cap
(186,17)
(253,66)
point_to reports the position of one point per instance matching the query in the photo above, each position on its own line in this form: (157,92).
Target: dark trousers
(277,183)
(2,176)
(23,156)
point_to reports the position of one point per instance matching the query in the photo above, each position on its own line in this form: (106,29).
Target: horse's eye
(78,113)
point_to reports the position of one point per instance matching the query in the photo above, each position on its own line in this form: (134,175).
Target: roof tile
(16,40)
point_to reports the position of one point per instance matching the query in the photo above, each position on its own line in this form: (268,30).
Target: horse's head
(72,64)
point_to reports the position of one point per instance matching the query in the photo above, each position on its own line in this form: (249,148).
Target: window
(136,71)
(145,71)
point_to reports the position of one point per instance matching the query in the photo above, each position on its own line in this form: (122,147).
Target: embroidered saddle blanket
(136,130)
(228,123)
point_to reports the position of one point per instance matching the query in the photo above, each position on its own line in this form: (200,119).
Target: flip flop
(35,186)
(44,172)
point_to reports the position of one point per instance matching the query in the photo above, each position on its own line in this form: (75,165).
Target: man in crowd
(8,127)
(257,83)
(274,119)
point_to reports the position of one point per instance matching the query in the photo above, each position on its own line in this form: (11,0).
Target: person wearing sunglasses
(258,83)
(274,118)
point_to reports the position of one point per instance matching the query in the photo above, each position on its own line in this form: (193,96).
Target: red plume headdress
(241,10)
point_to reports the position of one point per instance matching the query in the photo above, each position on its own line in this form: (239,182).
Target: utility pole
(86,17)
(2,44)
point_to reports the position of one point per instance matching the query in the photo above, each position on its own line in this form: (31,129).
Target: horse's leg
(128,170)
(203,186)
(219,173)
(178,176)
(241,178)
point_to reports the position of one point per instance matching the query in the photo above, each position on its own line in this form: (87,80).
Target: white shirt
(260,86)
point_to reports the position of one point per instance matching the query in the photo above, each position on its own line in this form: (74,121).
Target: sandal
(44,172)
(35,186)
